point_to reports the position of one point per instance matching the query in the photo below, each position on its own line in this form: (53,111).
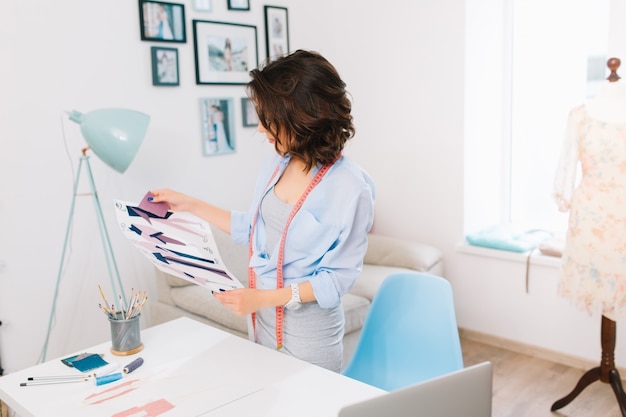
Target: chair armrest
(392,251)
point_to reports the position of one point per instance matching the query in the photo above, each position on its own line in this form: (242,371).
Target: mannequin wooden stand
(606,372)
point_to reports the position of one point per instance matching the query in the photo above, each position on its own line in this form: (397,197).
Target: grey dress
(310,333)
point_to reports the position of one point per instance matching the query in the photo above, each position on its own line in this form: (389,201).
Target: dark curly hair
(301,98)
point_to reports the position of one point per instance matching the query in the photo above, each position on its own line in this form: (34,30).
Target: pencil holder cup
(125,335)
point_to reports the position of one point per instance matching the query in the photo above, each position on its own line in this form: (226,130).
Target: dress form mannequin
(610,103)
(610,107)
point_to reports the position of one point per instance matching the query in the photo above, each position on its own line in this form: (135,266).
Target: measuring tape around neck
(281,251)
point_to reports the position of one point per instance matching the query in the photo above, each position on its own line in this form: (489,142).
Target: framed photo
(276,32)
(225,52)
(164,66)
(238,4)
(161,21)
(248,112)
(218,126)
(202,5)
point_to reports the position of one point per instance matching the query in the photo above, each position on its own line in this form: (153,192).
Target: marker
(106,369)
(133,365)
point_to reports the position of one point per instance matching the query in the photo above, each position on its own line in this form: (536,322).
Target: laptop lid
(463,393)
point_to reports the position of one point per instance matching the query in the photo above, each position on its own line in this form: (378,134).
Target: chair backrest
(410,333)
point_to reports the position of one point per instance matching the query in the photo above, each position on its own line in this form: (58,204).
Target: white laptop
(463,393)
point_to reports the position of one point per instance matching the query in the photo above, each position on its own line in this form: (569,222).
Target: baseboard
(534,351)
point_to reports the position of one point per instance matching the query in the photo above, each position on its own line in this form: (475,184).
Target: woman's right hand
(177,201)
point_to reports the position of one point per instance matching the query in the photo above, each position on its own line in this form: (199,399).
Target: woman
(311,212)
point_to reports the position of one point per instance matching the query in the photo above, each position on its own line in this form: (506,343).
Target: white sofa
(385,255)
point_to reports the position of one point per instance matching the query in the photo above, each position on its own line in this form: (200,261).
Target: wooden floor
(524,386)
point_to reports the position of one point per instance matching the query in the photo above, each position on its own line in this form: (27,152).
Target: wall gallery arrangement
(224,54)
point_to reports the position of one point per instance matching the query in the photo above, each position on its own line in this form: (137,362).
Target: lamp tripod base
(113,273)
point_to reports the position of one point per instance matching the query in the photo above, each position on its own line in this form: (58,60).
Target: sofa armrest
(392,251)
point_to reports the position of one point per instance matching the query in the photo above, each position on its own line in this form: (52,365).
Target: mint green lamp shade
(114,135)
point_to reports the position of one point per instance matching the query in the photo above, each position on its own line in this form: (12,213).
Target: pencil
(103,297)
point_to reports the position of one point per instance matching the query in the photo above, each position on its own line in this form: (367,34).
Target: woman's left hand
(242,301)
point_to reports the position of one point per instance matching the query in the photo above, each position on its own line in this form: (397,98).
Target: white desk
(190,369)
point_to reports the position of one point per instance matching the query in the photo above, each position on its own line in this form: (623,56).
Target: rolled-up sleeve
(341,265)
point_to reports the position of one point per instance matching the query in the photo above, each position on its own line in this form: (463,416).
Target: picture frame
(225,52)
(249,116)
(217,117)
(238,4)
(165,66)
(162,22)
(276,32)
(202,5)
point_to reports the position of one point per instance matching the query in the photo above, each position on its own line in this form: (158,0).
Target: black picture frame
(165,66)
(238,4)
(162,22)
(225,52)
(249,116)
(276,32)
(217,116)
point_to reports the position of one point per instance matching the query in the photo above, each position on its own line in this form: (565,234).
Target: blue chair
(409,335)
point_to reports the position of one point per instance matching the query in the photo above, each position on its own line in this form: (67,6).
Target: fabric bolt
(593,271)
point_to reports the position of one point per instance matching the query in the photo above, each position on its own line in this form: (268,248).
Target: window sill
(536,258)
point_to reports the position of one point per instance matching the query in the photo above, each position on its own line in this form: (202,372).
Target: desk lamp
(114,135)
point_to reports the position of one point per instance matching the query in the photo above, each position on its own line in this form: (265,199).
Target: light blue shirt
(326,240)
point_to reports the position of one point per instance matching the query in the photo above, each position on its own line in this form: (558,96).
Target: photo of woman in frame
(162,21)
(217,126)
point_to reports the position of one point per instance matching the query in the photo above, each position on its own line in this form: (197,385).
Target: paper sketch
(179,244)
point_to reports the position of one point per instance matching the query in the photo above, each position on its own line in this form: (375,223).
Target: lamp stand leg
(108,251)
(106,242)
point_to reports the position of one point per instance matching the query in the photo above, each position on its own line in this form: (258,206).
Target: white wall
(403,61)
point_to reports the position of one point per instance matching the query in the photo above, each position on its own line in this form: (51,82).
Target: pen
(54,381)
(57,377)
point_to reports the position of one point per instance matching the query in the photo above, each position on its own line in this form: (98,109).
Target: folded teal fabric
(508,238)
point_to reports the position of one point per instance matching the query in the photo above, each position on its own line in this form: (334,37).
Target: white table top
(190,369)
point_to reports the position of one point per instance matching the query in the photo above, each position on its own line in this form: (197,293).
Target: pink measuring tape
(281,252)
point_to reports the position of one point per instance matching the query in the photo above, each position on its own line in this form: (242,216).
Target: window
(525,70)
(559,50)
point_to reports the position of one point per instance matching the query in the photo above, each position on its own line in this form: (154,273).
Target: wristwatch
(295,302)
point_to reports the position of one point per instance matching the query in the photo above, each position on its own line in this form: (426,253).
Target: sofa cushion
(384,250)
(174,282)
(200,301)
(368,283)
(355,309)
